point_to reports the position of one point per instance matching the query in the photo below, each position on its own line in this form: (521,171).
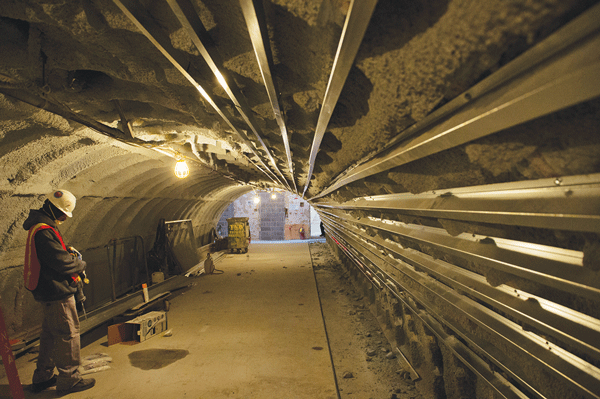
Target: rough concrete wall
(433,51)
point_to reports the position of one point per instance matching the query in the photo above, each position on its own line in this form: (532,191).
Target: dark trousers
(59,344)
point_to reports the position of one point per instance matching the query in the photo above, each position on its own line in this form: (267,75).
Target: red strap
(31,271)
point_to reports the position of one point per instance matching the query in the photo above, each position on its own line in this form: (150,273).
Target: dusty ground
(364,366)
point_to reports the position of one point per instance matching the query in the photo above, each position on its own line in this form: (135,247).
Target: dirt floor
(365,366)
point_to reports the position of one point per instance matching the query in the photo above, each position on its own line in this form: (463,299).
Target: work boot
(82,385)
(40,386)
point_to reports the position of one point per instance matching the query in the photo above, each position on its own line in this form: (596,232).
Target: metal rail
(136,13)
(559,72)
(189,20)
(574,329)
(569,203)
(539,266)
(522,349)
(469,358)
(355,26)
(257,28)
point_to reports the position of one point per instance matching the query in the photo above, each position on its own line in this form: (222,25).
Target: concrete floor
(254,331)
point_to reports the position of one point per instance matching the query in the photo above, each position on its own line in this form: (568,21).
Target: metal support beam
(565,325)
(450,307)
(136,13)
(355,26)
(189,20)
(257,28)
(557,269)
(65,112)
(124,122)
(560,72)
(570,203)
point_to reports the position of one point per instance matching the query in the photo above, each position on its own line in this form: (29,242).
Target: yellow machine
(239,234)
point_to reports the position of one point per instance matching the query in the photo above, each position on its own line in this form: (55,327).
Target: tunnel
(451,149)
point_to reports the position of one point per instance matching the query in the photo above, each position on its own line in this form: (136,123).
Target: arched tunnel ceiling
(266,94)
(452,143)
(100,96)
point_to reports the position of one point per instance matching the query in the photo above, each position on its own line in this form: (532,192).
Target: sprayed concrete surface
(254,331)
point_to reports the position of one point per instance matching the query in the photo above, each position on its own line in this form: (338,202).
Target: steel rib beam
(558,73)
(257,28)
(570,203)
(355,26)
(136,13)
(439,299)
(187,16)
(570,327)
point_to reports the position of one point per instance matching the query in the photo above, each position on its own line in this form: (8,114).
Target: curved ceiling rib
(187,16)
(255,20)
(135,12)
(355,26)
(556,74)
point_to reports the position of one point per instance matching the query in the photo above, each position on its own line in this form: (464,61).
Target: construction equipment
(239,234)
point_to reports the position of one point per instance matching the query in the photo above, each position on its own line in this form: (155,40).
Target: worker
(52,273)
(322,229)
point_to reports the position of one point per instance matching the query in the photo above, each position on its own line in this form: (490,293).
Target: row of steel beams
(138,15)
(540,264)
(190,21)
(438,298)
(569,203)
(472,360)
(560,72)
(257,28)
(355,26)
(469,358)
(570,327)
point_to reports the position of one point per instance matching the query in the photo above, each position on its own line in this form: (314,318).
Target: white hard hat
(63,200)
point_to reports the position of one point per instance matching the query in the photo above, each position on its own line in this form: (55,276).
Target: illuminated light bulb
(181,169)
(256,200)
(274,196)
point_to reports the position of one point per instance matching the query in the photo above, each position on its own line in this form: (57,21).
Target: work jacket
(57,265)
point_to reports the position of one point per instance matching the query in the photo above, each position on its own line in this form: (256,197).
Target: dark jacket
(56,264)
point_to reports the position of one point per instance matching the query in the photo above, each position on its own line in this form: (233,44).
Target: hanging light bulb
(274,195)
(256,199)
(181,169)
